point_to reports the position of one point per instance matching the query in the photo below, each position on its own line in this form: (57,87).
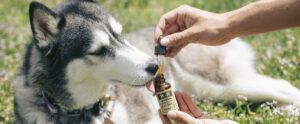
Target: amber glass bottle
(163,90)
(165,96)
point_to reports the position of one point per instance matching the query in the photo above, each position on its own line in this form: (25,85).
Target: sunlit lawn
(277,53)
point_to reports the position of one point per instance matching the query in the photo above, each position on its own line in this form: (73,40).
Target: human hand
(189,113)
(186,24)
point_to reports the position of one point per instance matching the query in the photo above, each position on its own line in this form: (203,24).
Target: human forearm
(263,16)
(186,24)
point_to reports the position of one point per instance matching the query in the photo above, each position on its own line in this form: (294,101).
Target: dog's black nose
(152,68)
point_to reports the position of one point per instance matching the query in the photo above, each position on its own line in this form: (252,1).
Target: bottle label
(167,101)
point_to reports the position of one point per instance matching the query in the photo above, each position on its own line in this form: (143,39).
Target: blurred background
(277,53)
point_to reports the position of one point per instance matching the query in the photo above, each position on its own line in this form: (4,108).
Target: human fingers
(174,51)
(181,117)
(167,19)
(190,104)
(165,120)
(171,29)
(181,104)
(180,38)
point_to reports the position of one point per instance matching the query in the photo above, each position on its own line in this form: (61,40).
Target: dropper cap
(159,49)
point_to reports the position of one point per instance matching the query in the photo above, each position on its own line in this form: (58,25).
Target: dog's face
(85,42)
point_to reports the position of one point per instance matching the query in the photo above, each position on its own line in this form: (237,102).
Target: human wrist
(240,22)
(229,26)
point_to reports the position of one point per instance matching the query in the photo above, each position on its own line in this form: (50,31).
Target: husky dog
(77,55)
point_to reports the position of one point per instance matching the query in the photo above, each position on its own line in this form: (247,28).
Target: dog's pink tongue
(150,86)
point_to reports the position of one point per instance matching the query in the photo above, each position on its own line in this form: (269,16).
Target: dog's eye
(103,51)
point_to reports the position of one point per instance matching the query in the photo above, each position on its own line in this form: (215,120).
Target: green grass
(277,53)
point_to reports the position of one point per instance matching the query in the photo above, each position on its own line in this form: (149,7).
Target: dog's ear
(45,24)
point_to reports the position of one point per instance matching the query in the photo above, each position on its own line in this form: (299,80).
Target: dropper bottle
(160,51)
(163,90)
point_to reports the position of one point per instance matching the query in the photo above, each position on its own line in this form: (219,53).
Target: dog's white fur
(236,63)
(100,39)
(85,89)
(120,115)
(116,26)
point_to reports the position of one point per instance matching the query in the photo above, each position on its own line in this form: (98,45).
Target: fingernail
(164,40)
(171,115)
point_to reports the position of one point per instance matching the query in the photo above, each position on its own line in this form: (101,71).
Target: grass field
(277,53)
